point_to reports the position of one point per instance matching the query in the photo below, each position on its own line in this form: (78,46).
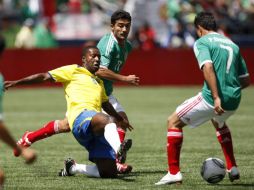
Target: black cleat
(233,174)
(122,152)
(68,163)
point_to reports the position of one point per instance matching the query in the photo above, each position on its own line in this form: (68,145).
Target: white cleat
(170,178)
(233,174)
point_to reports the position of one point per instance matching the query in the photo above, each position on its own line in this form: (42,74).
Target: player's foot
(23,142)
(122,152)
(233,174)
(123,168)
(68,163)
(170,179)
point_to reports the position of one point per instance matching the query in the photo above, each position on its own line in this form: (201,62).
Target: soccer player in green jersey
(225,74)
(114,49)
(28,154)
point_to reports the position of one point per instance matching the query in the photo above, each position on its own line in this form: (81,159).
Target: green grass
(148,109)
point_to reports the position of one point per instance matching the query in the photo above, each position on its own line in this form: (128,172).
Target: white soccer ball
(213,170)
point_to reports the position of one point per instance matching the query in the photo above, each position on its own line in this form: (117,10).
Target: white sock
(89,170)
(111,135)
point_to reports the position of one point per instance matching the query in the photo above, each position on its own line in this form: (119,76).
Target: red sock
(121,134)
(225,140)
(175,140)
(44,132)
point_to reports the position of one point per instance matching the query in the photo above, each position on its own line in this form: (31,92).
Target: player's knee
(63,126)
(107,168)
(108,174)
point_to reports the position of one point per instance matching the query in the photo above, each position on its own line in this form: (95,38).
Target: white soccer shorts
(196,111)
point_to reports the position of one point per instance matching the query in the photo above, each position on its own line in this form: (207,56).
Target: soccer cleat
(170,179)
(233,174)
(68,163)
(23,142)
(123,168)
(122,152)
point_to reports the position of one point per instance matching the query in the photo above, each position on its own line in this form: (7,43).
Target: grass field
(148,109)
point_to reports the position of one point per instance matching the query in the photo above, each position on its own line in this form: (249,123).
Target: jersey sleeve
(105,48)
(242,71)
(202,53)
(63,74)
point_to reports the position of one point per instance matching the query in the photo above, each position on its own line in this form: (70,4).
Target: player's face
(91,60)
(121,29)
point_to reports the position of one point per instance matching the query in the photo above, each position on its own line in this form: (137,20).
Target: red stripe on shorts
(189,107)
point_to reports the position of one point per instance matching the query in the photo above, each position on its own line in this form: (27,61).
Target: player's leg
(120,110)
(97,130)
(71,168)
(126,144)
(193,112)
(49,129)
(107,167)
(225,139)
(174,144)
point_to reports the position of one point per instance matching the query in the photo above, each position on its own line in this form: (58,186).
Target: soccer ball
(213,170)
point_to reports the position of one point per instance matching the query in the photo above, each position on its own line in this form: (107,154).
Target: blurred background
(156,23)
(164,28)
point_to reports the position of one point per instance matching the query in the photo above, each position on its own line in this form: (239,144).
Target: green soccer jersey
(113,57)
(228,64)
(1,96)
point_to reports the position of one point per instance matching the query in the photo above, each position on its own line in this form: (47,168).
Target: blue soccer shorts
(97,146)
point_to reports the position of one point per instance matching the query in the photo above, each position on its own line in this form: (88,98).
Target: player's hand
(8,84)
(29,155)
(217,106)
(125,124)
(132,79)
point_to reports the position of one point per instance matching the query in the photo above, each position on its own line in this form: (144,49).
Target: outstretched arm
(110,75)
(33,79)
(210,78)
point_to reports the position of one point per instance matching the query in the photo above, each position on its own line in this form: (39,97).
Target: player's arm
(110,75)
(107,107)
(33,79)
(210,78)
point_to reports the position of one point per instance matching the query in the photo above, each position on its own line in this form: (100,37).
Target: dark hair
(2,44)
(87,48)
(206,20)
(120,14)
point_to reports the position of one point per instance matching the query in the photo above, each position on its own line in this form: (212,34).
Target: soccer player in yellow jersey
(112,44)
(85,96)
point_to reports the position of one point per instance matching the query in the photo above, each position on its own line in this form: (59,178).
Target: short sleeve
(63,74)
(202,53)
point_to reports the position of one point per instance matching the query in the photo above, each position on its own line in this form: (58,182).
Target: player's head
(204,21)
(121,24)
(91,58)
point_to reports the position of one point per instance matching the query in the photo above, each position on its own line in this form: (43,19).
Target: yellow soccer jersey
(83,90)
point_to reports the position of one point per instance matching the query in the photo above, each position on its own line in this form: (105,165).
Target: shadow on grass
(237,185)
